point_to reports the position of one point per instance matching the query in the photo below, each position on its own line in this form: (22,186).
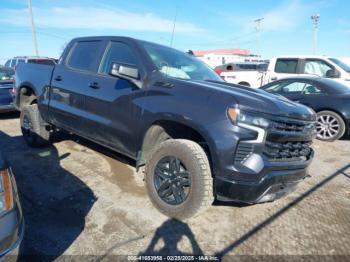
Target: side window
(85,55)
(21,61)
(286,66)
(7,64)
(117,53)
(13,62)
(312,89)
(295,87)
(274,88)
(316,67)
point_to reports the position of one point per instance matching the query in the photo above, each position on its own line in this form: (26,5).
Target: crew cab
(195,136)
(289,66)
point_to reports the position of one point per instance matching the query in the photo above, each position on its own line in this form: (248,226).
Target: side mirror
(128,72)
(332,73)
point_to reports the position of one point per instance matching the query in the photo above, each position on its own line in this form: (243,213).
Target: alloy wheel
(327,127)
(171,180)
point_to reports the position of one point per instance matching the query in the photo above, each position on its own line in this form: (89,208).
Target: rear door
(112,104)
(71,81)
(285,67)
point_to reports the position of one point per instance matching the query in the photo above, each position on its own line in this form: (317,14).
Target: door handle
(274,78)
(94,85)
(58,78)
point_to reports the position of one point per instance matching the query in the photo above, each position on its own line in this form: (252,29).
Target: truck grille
(287,151)
(292,127)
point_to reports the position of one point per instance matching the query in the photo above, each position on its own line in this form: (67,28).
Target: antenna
(173,32)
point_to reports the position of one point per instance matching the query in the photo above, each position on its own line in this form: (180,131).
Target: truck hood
(260,101)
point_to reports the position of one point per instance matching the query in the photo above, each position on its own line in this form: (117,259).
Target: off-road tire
(38,135)
(339,120)
(200,195)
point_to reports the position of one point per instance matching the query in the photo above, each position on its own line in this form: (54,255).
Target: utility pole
(35,43)
(257,30)
(315,19)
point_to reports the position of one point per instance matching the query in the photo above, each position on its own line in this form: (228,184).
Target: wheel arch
(162,130)
(26,96)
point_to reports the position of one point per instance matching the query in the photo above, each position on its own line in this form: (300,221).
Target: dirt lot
(81,199)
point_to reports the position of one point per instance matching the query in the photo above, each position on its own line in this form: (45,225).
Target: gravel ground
(81,199)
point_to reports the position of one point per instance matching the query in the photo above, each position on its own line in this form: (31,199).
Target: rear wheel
(330,126)
(178,179)
(34,129)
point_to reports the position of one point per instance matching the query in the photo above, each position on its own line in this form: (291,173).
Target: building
(218,57)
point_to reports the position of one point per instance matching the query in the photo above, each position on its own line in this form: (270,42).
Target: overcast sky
(286,29)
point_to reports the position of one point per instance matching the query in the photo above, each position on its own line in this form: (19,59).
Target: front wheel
(178,179)
(330,126)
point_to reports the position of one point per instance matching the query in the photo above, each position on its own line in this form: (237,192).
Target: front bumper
(256,167)
(13,250)
(12,226)
(270,186)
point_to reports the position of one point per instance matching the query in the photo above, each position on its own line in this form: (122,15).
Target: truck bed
(36,76)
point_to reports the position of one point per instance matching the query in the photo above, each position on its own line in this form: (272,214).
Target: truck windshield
(174,63)
(341,64)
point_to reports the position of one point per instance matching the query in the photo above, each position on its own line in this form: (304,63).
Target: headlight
(238,116)
(6,196)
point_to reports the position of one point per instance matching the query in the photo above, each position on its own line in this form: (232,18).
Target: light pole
(257,30)
(35,43)
(315,19)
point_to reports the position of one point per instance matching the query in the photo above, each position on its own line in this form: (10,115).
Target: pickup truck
(290,66)
(195,136)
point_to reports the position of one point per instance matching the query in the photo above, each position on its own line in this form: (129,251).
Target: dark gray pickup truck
(197,136)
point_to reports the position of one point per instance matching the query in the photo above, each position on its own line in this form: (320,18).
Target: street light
(315,19)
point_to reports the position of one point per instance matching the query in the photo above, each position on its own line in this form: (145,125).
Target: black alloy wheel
(172,180)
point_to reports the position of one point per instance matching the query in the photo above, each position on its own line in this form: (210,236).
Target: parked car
(289,66)
(11,217)
(196,135)
(6,85)
(329,98)
(29,59)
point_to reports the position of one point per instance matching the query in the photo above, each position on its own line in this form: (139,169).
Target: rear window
(85,55)
(41,61)
(286,66)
